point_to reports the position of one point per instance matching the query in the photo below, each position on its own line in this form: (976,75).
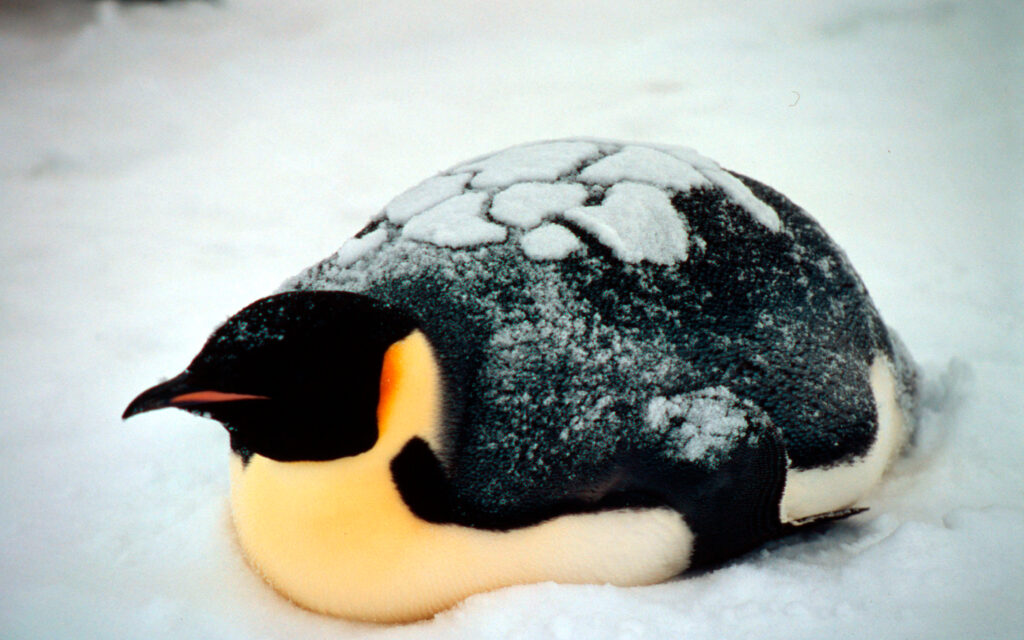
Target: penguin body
(579,360)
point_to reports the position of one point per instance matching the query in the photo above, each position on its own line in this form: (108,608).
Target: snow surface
(356,248)
(162,166)
(534,161)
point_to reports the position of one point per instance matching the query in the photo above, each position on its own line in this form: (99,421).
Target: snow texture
(425,195)
(643,164)
(164,165)
(456,222)
(637,222)
(525,185)
(541,161)
(703,426)
(728,183)
(550,242)
(526,204)
(356,248)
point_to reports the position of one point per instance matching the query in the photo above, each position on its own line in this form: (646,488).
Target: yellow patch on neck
(410,394)
(336,536)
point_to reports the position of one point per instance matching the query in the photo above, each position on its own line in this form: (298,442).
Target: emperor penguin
(581,361)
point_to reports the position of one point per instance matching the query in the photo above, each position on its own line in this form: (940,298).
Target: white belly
(335,537)
(813,492)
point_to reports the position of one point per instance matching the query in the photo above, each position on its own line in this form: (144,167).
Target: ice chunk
(455,223)
(526,204)
(637,222)
(643,164)
(550,242)
(426,194)
(730,184)
(355,248)
(545,161)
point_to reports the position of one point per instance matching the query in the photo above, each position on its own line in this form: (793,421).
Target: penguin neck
(294,519)
(410,396)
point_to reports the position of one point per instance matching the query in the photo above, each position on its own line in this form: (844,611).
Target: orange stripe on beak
(204,397)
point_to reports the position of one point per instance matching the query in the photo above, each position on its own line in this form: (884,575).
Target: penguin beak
(181,393)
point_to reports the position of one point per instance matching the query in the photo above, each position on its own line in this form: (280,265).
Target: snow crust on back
(730,184)
(455,223)
(550,242)
(643,164)
(637,222)
(356,248)
(544,161)
(425,195)
(620,195)
(526,204)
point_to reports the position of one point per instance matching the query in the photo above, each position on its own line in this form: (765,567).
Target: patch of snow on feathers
(730,184)
(544,161)
(355,248)
(644,164)
(527,204)
(701,426)
(637,222)
(550,242)
(425,195)
(456,223)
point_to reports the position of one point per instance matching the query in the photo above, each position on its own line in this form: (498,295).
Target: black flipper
(717,459)
(721,462)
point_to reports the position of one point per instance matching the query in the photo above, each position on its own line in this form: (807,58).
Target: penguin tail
(908,384)
(821,519)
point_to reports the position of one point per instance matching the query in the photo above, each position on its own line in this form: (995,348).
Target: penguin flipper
(720,462)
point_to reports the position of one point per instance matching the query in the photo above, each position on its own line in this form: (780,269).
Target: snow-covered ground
(163,165)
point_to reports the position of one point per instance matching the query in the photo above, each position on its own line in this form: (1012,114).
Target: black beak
(160,396)
(182,393)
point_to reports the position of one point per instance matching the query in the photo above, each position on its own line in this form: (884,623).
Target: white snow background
(163,165)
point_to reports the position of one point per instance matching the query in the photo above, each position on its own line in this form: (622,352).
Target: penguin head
(295,376)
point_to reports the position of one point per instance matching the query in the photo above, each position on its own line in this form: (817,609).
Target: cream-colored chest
(336,536)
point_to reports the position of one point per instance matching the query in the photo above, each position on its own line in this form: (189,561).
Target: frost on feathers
(701,426)
(595,299)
